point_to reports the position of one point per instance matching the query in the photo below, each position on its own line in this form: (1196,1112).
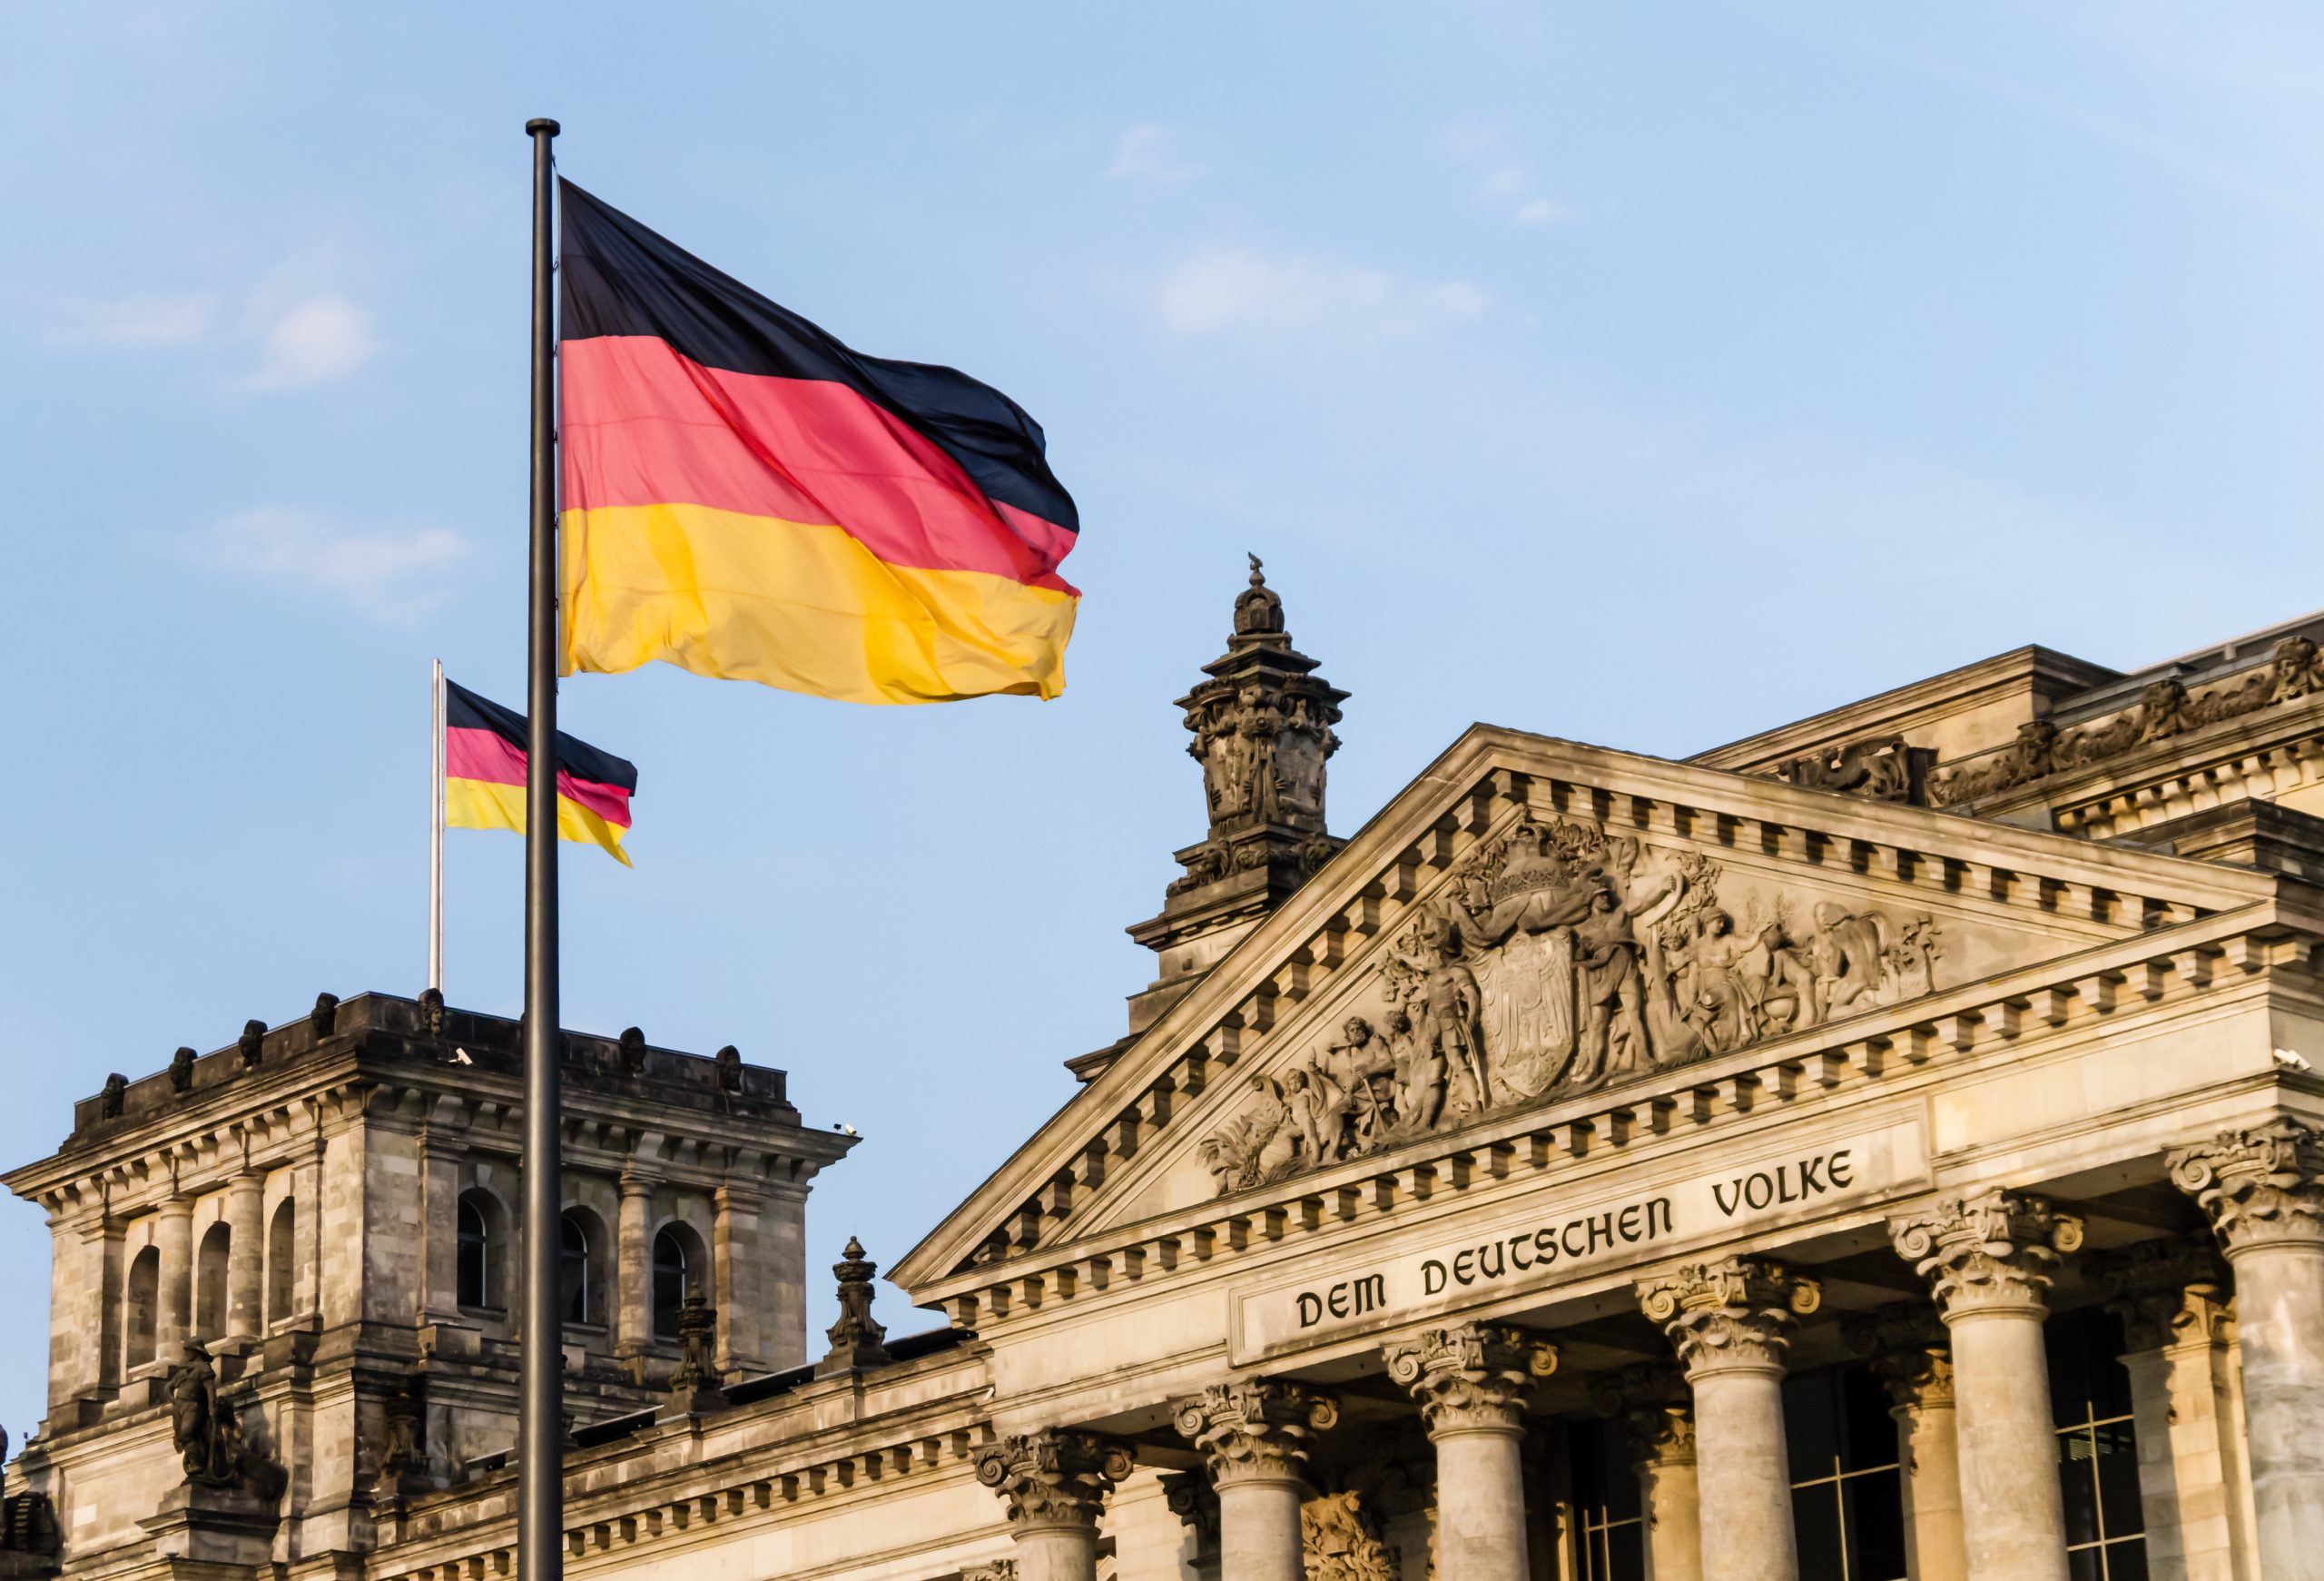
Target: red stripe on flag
(481,755)
(642,425)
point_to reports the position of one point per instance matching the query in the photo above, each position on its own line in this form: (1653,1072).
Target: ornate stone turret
(1262,725)
(856,1337)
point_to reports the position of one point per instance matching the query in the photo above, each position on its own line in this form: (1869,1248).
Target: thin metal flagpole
(436,829)
(540,1421)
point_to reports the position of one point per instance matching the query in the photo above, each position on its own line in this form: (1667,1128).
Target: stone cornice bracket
(1056,1478)
(1254,1429)
(1472,1378)
(1731,1316)
(2167,1292)
(2260,1187)
(1651,1401)
(1907,1348)
(1996,1253)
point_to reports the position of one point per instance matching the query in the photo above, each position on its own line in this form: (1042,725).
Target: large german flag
(746,496)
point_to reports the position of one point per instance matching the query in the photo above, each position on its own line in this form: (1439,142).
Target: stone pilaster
(2179,1336)
(1730,1323)
(1909,1349)
(1989,1260)
(1657,1413)
(1054,1483)
(1254,1435)
(735,1266)
(2263,1189)
(1472,1383)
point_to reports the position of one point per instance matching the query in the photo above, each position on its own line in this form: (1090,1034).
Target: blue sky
(1642,374)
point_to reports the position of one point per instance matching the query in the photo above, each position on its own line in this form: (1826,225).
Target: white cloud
(1539,212)
(1504,183)
(142,319)
(319,340)
(1153,151)
(1242,289)
(388,575)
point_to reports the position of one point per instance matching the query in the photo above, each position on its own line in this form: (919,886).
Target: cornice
(1486,780)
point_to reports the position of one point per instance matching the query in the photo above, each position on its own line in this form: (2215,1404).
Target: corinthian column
(1472,1383)
(1652,1405)
(1909,1352)
(1055,1482)
(1255,1434)
(1989,1260)
(1730,1323)
(2261,1190)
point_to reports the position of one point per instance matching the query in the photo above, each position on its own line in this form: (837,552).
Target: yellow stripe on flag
(477,804)
(801,606)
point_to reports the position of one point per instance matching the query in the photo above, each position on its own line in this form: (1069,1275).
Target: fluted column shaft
(2264,1192)
(1472,1383)
(1054,1483)
(1989,1260)
(1730,1323)
(173,1238)
(1254,1435)
(245,1255)
(1908,1349)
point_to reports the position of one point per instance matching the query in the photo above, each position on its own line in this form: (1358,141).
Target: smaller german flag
(484,777)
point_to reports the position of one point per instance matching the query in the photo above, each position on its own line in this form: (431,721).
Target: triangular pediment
(1534,919)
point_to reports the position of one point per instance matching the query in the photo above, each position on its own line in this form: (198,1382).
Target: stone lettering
(1348,1299)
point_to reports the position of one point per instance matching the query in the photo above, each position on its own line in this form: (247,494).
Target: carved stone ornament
(1884,769)
(997,1570)
(114,1096)
(326,1014)
(2165,708)
(1560,960)
(2167,1292)
(726,1064)
(1054,1478)
(630,1048)
(1734,1315)
(1908,1349)
(694,1384)
(252,1043)
(431,1013)
(1655,1407)
(181,1071)
(1187,1494)
(855,1337)
(1255,1430)
(1339,1540)
(2260,1187)
(1994,1252)
(1475,1378)
(208,1433)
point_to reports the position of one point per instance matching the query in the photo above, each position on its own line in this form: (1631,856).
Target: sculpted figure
(1258,1144)
(1449,1027)
(1319,1107)
(1715,995)
(194,1428)
(1846,958)
(1611,993)
(1364,1069)
(1532,891)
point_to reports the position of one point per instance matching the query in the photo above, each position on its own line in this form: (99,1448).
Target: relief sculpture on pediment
(1559,960)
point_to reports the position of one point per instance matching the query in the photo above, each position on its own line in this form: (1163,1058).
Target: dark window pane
(2086,1565)
(2087,1378)
(2077,1479)
(573,1272)
(473,1272)
(1867,1432)
(2118,1480)
(1626,1554)
(2126,1561)
(1816,1516)
(1811,1416)
(669,1284)
(1875,1512)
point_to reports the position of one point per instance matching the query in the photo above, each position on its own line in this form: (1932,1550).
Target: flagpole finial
(541,123)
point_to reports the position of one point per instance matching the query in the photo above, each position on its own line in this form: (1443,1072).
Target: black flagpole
(540,1420)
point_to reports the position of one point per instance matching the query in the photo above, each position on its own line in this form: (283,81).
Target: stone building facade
(1887,1146)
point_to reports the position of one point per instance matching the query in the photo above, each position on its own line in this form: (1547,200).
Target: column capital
(1993,1252)
(1054,1479)
(1187,1494)
(1907,1348)
(2167,1292)
(1475,1377)
(1730,1316)
(1255,1430)
(1652,1403)
(2260,1187)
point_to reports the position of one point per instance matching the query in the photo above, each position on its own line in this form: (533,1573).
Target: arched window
(576,1292)
(474,1275)
(142,1300)
(679,1266)
(210,1265)
(281,1262)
